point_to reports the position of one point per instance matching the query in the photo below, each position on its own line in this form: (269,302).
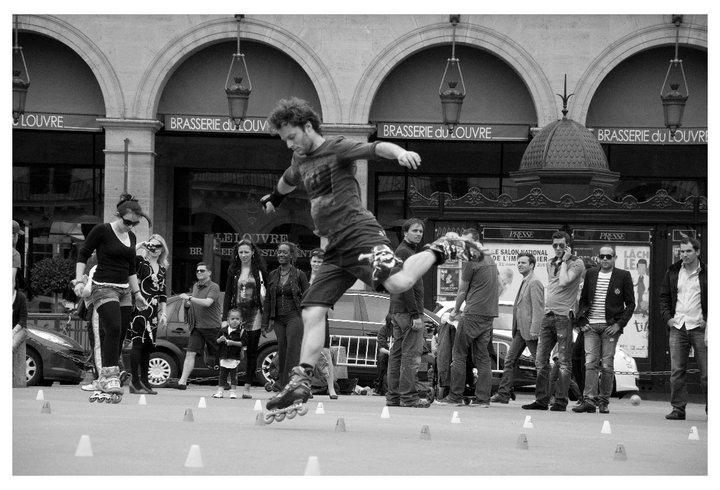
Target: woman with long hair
(244,290)
(114,284)
(282,311)
(151,263)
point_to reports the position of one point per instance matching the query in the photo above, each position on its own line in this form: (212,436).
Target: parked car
(502,328)
(354,324)
(51,356)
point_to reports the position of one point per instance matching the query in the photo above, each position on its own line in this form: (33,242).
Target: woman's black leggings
(140,359)
(114,324)
(251,355)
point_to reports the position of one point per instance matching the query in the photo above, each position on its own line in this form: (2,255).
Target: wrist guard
(274,198)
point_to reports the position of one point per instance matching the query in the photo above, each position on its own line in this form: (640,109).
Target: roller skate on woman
(291,399)
(111,390)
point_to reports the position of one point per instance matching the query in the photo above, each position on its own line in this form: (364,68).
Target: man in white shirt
(683,306)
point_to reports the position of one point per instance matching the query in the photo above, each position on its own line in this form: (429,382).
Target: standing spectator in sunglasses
(204,317)
(151,264)
(114,284)
(607,303)
(565,273)
(245,291)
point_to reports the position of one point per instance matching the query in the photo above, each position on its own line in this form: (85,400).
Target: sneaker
(94,386)
(675,415)
(392,403)
(475,403)
(419,403)
(232,394)
(584,407)
(535,406)
(452,247)
(603,408)
(450,401)
(218,394)
(556,407)
(180,386)
(383,260)
(297,389)
(498,398)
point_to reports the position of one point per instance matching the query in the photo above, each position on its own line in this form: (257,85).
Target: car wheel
(162,368)
(33,367)
(264,361)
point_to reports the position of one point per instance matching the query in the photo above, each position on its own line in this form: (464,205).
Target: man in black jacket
(607,303)
(406,310)
(683,306)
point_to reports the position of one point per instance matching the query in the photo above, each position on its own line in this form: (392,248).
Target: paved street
(155,439)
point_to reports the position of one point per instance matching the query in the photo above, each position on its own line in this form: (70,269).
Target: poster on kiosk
(632,251)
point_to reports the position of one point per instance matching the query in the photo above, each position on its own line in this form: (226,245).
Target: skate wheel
(302,410)
(115,398)
(92,399)
(268,387)
(268,418)
(291,414)
(280,416)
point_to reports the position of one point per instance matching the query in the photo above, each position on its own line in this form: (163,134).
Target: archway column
(140,157)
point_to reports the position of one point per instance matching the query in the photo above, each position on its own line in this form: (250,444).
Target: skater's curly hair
(294,112)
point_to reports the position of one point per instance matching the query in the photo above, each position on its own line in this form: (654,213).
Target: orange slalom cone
(340,425)
(620,454)
(188,416)
(522,442)
(425,432)
(46,408)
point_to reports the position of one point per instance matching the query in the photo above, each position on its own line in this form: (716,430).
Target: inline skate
(291,399)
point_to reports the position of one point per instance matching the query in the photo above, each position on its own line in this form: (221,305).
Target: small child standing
(232,342)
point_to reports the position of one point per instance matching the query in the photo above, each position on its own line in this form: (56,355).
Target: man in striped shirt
(607,303)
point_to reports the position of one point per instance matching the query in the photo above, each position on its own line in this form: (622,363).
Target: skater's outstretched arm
(391,151)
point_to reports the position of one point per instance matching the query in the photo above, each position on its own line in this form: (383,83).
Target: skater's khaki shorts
(103,293)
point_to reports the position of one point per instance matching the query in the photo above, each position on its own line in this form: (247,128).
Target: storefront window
(216,209)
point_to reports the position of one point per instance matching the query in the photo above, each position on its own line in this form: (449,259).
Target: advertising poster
(448,280)
(633,257)
(505,256)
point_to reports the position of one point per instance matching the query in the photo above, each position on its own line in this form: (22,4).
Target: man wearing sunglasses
(607,303)
(565,273)
(204,315)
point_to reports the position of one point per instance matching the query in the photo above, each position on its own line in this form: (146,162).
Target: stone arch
(624,48)
(176,50)
(89,52)
(502,46)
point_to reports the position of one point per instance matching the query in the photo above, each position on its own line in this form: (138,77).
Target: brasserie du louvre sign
(385,130)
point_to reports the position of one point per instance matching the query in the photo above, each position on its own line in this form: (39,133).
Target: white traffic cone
(40,395)
(84,449)
(455,418)
(528,424)
(385,413)
(201,403)
(142,400)
(693,436)
(194,458)
(606,428)
(313,467)
(258,406)
(320,410)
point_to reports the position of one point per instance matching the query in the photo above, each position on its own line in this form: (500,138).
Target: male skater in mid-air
(357,246)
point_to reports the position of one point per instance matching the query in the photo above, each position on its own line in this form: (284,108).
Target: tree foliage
(51,275)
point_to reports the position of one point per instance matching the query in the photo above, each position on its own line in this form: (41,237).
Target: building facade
(137,103)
